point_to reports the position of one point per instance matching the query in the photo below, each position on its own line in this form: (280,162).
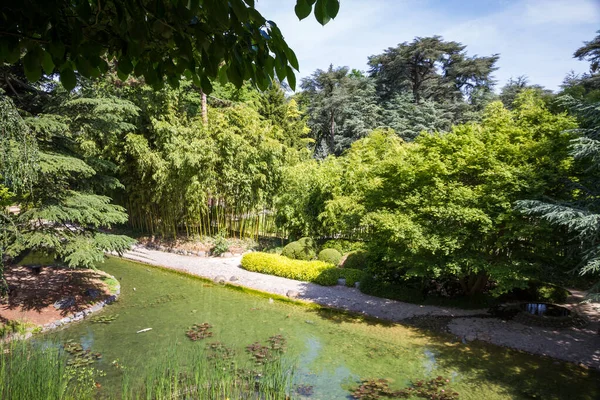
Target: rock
(470,337)
(184,252)
(292,294)
(357,285)
(201,254)
(219,279)
(234,278)
(341,282)
(65,303)
(227,254)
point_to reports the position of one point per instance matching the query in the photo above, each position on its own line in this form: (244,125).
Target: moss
(331,256)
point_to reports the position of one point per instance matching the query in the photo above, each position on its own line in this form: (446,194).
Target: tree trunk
(204,108)
(474,283)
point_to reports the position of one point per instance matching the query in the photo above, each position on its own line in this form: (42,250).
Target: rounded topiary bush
(331,256)
(356,260)
(302,249)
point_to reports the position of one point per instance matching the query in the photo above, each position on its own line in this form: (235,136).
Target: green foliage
(356,260)
(302,249)
(221,244)
(550,293)
(62,213)
(342,245)
(330,277)
(445,206)
(210,40)
(379,288)
(431,68)
(285,267)
(331,256)
(341,108)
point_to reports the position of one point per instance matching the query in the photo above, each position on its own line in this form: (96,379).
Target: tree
(342,107)
(513,87)
(431,68)
(579,215)
(60,213)
(202,39)
(443,206)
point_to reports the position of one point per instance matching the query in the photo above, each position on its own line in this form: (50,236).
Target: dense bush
(316,271)
(378,288)
(274,264)
(356,260)
(302,249)
(539,291)
(551,293)
(331,256)
(343,246)
(330,277)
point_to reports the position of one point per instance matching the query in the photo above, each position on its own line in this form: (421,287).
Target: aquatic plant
(267,353)
(104,319)
(80,357)
(199,331)
(434,389)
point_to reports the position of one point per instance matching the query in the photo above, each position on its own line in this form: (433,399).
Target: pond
(333,350)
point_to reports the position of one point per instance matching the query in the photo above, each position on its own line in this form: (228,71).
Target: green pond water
(333,350)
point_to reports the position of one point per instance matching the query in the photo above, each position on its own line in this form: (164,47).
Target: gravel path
(580,346)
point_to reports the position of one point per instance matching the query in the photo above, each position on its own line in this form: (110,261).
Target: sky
(535,38)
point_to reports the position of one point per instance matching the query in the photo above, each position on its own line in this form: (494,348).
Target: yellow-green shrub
(318,272)
(274,264)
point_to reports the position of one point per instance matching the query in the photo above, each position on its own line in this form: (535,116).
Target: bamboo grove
(183,174)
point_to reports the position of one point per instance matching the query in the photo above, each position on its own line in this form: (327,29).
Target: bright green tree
(444,206)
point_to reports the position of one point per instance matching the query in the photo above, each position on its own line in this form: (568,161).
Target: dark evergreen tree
(431,68)
(342,107)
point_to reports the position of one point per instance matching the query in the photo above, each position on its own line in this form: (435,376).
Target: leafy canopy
(157,39)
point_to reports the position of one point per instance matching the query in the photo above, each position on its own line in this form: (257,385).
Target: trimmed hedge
(285,267)
(331,256)
(317,272)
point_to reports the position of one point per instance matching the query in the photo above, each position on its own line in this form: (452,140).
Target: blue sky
(535,38)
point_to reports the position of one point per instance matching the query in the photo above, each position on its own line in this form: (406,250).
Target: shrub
(221,244)
(302,249)
(285,267)
(550,293)
(356,260)
(343,246)
(331,256)
(330,276)
(378,288)
(316,271)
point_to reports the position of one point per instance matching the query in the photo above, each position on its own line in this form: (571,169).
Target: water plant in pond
(266,353)
(199,331)
(80,357)
(434,389)
(104,319)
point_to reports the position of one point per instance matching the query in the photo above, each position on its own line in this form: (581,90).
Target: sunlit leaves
(159,40)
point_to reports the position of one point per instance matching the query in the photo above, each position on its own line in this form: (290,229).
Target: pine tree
(581,215)
(61,214)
